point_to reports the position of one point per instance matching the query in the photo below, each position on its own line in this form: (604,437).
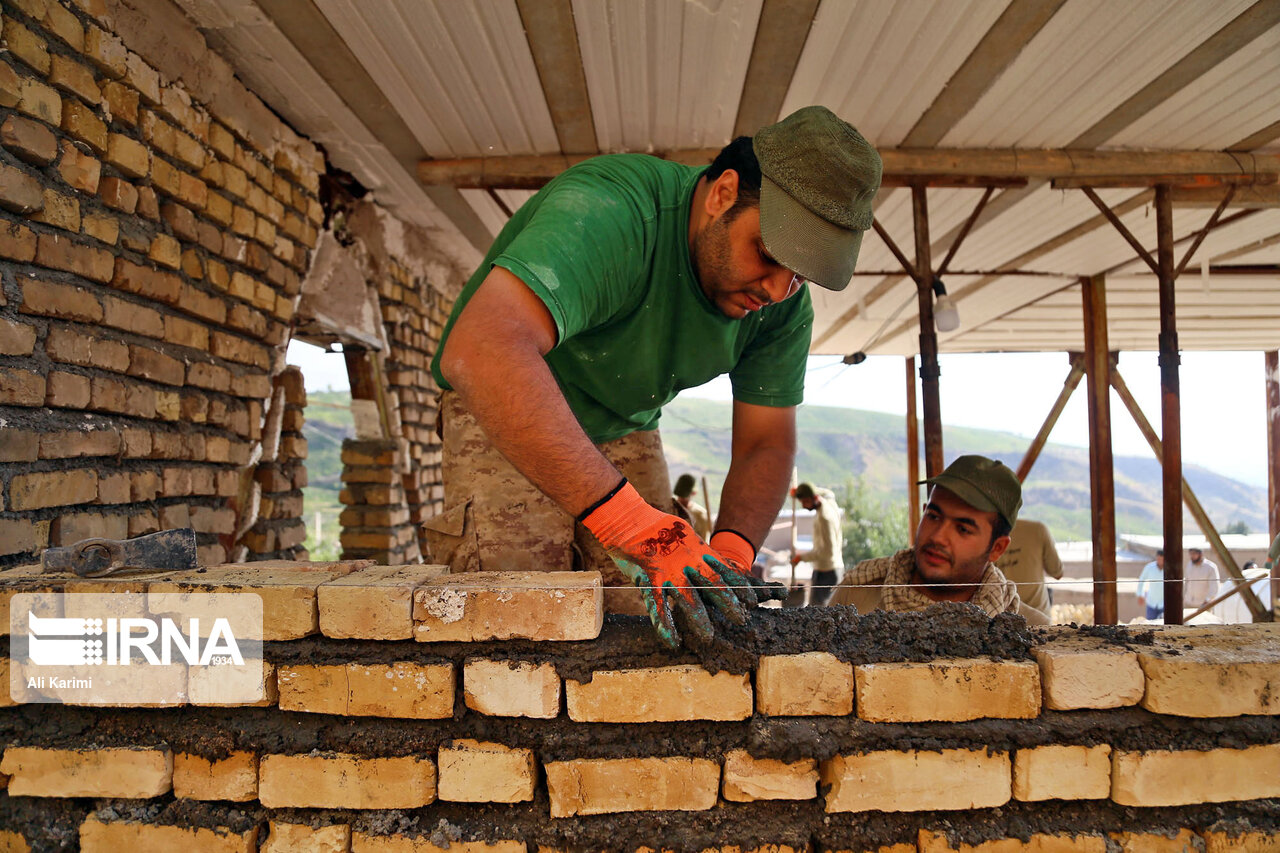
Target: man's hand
(662,556)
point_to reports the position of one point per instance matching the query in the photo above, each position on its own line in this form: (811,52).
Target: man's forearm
(754,491)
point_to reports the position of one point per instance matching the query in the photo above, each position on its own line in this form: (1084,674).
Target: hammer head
(172,550)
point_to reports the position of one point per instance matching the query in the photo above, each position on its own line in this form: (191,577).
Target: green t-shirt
(605,246)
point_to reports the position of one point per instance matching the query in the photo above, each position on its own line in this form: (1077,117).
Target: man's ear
(722,194)
(998,547)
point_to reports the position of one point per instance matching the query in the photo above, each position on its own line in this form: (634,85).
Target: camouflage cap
(818,177)
(985,484)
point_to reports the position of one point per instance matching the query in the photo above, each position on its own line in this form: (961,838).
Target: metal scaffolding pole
(1273,466)
(929,370)
(1097,365)
(1170,411)
(913,453)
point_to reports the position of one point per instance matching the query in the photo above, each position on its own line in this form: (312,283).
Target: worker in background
(689,509)
(964,529)
(1200,579)
(1150,592)
(623,281)
(1031,555)
(826,557)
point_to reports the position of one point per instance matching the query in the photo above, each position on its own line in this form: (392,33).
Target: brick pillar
(279,532)
(376,523)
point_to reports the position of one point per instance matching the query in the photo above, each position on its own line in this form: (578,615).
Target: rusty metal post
(1170,411)
(1037,444)
(1097,365)
(1273,466)
(913,453)
(929,370)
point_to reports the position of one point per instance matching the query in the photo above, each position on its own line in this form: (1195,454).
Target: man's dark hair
(998,529)
(741,157)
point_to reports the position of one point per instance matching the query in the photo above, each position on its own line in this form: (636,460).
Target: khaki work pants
(496,520)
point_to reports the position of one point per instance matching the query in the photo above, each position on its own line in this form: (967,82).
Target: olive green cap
(984,484)
(804,491)
(818,178)
(684,485)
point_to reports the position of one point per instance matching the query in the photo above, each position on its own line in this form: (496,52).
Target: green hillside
(843,448)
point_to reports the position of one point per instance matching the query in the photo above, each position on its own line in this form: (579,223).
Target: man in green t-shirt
(623,281)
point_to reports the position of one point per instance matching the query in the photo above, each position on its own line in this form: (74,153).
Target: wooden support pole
(1037,444)
(913,453)
(929,370)
(1170,411)
(1272,360)
(1193,504)
(1097,366)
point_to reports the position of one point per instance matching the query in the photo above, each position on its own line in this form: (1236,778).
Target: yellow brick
(1244,842)
(126,773)
(373,604)
(1082,672)
(1186,777)
(12,842)
(893,781)
(363,842)
(502,688)
(508,605)
(295,837)
(472,771)
(1228,671)
(288,595)
(808,684)
(232,778)
(1184,841)
(658,694)
(606,785)
(747,779)
(1058,772)
(206,685)
(99,836)
(345,782)
(947,690)
(937,842)
(314,689)
(404,689)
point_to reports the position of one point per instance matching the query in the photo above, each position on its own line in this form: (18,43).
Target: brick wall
(151,247)
(414,710)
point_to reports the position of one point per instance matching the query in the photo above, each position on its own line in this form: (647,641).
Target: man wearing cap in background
(687,508)
(826,557)
(1031,555)
(623,281)
(964,529)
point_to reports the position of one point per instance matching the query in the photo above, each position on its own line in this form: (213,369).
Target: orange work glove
(663,556)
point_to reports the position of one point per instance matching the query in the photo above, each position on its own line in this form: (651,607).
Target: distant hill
(839,446)
(842,445)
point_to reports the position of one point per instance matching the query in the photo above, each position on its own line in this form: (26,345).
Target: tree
(870,529)
(1236,526)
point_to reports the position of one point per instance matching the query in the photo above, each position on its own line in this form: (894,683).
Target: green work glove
(673,569)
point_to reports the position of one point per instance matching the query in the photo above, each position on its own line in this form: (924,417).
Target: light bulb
(945,316)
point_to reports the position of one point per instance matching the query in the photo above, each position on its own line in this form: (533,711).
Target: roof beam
(1259,138)
(553,41)
(996,51)
(780,36)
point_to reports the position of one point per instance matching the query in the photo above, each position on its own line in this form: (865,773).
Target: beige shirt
(1030,556)
(701,521)
(828,535)
(1199,583)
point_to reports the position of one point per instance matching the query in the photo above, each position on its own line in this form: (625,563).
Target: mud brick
(165,177)
(138,443)
(607,785)
(221,140)
(1062,772)
(948,690)
(128,155)
(114,488)
(10,86)
(894,781)
(263,296)
(502,688)
(139,319)
(142,523)
(110,395)
(181,220)
(659,694)
(273,479)
(292,837)
(125,773)
(118,194)
(373,604)
(105,50)
(70,528)
(102,227)
(16,338)
(74,78)
(288,595)
(168,406)
(19,192)
(177,482)
(135,235)
(148,204)
(186,333)
(1186,777)
(1262,841)
(507,605)
(210,376)
(19,536)
(203,483)
(202,305)
(345,782)
(29,140)
(930,841)
(40,101)
(103,834)
(26,46)
(60,211)
(78,169)
(1079,672)
(81,122)
(367,842)
(67,390)
(166,251)
(192,191)
(291,535)
(807,684)
(474,771)
(228,483)
(748,779)
(52,488)
(122,102)
(17,241)
(212,519)
(233,778)
(73,443)
(161,286)
(258,386)
(63,24)
(235,181)
(1242,662)
(403,689)
(144,78)
(189,151)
